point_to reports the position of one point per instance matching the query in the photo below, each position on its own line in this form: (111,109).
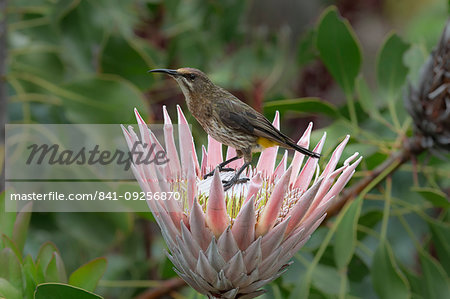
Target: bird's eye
(191,76)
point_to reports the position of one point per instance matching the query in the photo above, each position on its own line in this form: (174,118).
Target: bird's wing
(240,116)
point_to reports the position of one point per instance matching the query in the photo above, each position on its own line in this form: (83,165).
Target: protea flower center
(230,244)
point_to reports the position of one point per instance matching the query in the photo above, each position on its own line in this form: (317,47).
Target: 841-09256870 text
(97,195)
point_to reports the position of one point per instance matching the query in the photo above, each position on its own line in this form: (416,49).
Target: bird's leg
(221,167)
(235,179)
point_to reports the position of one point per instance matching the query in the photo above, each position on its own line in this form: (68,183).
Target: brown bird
(229,120)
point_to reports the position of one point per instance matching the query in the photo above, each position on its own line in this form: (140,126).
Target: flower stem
(164,288)
(393,113)
(352,110)
(387,208)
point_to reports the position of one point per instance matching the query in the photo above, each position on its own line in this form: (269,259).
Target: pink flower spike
(268,157)
(272,208)
(244,226)
(145,184)
(325,186)
(191,184)
(308,171)
(351,158)
(289,245)
(227,244)
(231,152)
(145,143)
(141,180)
(171,205)
(302,206)
(216,210)
(187,146)
(131,138)
(255,185)
(171,150)
(198,226)
(342,180)
(307,234)
(331,165)
(169,227)
(315,213)
(147,188)
(274,237)
(143,129)
(215,156)
(298,157)
(281,168)
(203,168)
(128,137)
(149,172)
(165,168)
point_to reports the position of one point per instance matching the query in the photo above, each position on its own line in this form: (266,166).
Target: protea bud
(429,102)
(230,244)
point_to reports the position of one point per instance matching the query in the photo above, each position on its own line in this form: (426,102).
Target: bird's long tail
(302,150)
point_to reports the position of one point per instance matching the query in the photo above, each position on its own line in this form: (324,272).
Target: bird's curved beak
(165,71)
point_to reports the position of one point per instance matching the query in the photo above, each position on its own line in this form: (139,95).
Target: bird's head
(192,81)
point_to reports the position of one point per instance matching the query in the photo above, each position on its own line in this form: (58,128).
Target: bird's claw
(234,180)
(221,169)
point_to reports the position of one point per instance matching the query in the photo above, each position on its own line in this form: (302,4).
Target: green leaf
(345,238)
(21,226)
(81,32)
(117,50)
(436,283)
(301,289)
(102,99)
(435,196)
(307,51)
(47,65)
(8,243)
(55,271)
(45,255)
(60,290)
(88,275)
(369,220)
(61,8)
(10,267)
(391,71)
(30,276)
(326,279)
(121,221)
(87,230)
(415,282)
(86,25)
(7,219)
(414,58)
(440,233)
(388,281)
(8,291)
(426,27)
(365,97)
(301,105)
(339,48)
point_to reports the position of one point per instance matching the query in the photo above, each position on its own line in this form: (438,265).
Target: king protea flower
(230,244)
(428,102)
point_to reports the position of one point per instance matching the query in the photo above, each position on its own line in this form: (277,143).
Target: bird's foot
(233,181)
(221,169)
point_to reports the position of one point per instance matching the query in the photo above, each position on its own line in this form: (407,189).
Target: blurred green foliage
(21,275)
(86,61)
